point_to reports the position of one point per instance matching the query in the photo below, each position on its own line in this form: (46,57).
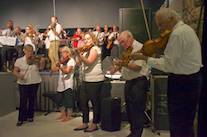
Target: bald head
(98,28)
(115,28)
(79,31)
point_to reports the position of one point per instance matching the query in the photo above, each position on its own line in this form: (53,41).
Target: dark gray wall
(71,13)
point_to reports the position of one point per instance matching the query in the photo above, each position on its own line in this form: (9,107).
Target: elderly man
(113,39)
(100,35)
(182,59)
(136,86)
(20,45)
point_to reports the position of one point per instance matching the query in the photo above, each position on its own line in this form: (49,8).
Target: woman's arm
(67,70)
(16,73)
(41,64)
(91,58)
(78,61)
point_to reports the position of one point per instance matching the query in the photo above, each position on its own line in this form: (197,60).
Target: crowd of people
(182,59)
(50,42)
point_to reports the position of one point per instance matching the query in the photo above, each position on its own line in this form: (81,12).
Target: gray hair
(125,34)
(166,13)
(28,46)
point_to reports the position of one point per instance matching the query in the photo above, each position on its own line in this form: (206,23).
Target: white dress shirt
(100,37)
(47,43)
(182,54)
(129,74)
(8,32)
(114,35)
(52,35)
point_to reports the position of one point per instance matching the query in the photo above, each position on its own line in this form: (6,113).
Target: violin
(83,49)
(64,60)
(52,28)
(36,59)
(126,55)
(151,46)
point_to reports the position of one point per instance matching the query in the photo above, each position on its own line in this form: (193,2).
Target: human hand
(21,76)
(51,72)
(58,63)
(42,60)
(118,62)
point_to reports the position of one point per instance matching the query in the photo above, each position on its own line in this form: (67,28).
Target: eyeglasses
(123,42)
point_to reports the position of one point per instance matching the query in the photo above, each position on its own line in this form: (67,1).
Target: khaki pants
(53,52)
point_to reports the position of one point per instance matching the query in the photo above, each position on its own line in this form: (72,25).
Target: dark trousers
(27,92)
(91,91)
(65,98)
(183,94)
(9,53)
(20,52)
(115,51)
(105,52)
(135,97)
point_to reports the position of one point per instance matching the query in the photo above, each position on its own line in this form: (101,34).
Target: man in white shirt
(100,35)
(135,73)
(20,45)
(113,39)
(9,31)
(53,34)
(182,59)
(8,51)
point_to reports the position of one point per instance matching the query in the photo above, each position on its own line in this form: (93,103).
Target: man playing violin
(136,85)
(53,34)
(182,59)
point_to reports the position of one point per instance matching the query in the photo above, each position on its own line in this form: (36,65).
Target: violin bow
(67,33)
(95,25)
(145,19)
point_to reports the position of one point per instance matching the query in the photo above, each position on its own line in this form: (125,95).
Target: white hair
(167,13)
(125,34)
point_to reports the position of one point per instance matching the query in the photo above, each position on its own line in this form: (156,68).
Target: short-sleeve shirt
(65,81)
(31,72)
